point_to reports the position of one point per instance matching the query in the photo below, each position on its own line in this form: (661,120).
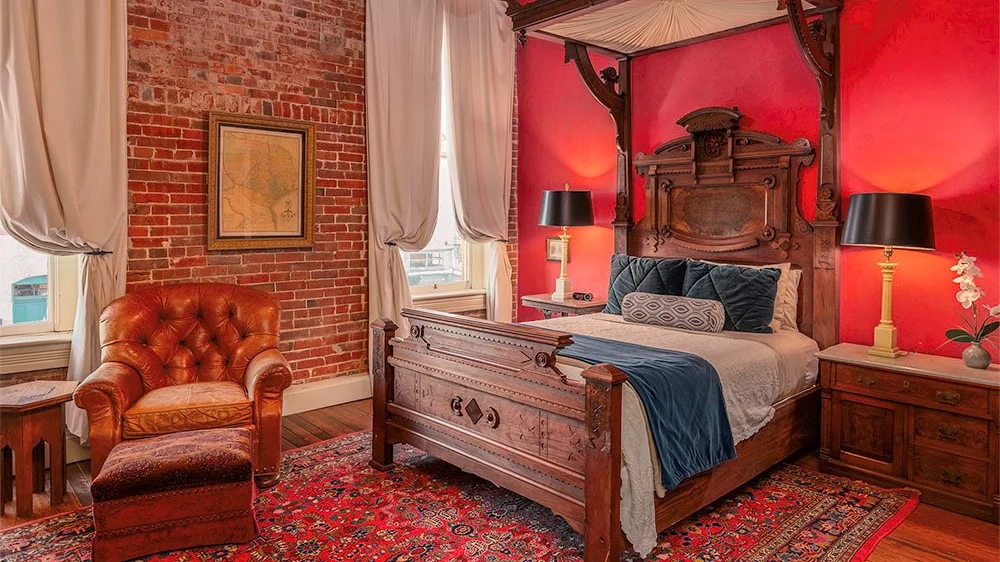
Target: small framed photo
(261,182)
(553,249)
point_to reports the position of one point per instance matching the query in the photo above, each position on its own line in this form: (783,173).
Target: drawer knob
(951,477)
(950,398)
(867,382)
(456,406)
(492,418)
(946,433)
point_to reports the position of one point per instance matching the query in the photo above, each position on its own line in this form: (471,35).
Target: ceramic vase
(976,357)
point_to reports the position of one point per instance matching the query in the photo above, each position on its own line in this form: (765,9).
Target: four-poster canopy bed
(490,397)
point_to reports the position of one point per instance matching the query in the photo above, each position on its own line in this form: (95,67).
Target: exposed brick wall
(512,214)
(300,59)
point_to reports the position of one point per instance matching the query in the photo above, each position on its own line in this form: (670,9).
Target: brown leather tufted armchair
(184,357)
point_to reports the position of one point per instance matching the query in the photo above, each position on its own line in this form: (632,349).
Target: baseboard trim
(297,399)
(327,392)
(75,452)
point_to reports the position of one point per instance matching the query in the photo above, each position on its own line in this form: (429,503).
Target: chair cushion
(178,461)
(186,407)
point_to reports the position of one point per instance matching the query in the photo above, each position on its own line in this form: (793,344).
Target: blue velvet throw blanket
(682,395)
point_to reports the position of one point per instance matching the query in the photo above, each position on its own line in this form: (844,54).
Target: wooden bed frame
(489,398)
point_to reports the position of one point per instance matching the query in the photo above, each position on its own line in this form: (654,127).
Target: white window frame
(64,275)
(474,266)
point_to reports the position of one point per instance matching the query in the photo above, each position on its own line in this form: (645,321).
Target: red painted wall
(920,113)
(564,135)
(920,109)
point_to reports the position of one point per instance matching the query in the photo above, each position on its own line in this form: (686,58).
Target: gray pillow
(701,315)
(747,293)
(630,274)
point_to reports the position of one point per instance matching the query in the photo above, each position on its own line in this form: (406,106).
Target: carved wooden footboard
(487,398)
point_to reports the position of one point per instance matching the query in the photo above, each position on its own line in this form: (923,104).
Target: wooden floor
(930,534)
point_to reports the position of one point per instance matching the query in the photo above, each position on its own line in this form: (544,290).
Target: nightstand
(920,421)
(550,307)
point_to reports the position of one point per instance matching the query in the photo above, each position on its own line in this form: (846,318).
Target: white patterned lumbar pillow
(701,315)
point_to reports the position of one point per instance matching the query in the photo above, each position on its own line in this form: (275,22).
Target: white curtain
(63,171)
(479,67)
(403,96)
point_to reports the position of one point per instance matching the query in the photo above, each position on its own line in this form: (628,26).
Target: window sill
(34,352)
(457,302)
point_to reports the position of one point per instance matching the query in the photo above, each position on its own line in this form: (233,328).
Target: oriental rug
(330,505)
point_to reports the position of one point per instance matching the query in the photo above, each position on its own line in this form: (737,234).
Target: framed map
(261,182)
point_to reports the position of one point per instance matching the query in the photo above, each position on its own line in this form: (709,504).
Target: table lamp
(889,221)
(565,208)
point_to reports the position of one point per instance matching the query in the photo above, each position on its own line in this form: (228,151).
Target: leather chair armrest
(105,394)
(113,385)
(268,375)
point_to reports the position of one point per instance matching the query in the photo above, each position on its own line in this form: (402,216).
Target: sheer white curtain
(403,96)
(63,171)
(479,74)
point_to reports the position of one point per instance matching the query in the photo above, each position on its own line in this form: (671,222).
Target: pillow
(630,274)
(790,306)
(700,315)
(746,293)
(781,299)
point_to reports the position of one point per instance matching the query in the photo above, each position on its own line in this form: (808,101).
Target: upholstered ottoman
(174,491)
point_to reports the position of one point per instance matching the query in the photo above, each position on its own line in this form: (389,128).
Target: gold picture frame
(553,249)
(261,182)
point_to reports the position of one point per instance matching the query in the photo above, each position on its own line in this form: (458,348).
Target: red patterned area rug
(331,506)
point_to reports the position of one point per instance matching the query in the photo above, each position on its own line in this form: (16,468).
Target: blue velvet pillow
(630,274)
(746,293)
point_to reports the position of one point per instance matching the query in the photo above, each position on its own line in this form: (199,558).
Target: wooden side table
(919,421)
(549,306)
(31,415)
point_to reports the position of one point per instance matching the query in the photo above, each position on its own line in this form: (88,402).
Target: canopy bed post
(619,104)
(818,41)
(603,537)
(383,381)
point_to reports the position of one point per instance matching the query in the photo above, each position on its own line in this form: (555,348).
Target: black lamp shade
(899,220)
(566,208)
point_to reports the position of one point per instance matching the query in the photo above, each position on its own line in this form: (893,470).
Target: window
(448,263)
(37,291)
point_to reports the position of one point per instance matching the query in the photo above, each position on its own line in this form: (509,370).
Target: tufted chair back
(195,332)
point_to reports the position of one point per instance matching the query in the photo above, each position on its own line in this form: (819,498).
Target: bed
(497,400)
(500,401)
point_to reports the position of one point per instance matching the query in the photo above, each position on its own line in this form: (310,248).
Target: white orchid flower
(968,297)
(993,311)
(969,269)
(964,282)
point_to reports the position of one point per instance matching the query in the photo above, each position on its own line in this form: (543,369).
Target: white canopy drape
(403,96)
(632,26)
(479,78)
(63,168)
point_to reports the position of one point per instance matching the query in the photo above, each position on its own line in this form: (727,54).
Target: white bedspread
(756,371)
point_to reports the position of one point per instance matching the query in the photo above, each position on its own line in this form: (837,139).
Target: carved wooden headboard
(725,194)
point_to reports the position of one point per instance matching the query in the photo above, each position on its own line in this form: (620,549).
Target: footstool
(174,491)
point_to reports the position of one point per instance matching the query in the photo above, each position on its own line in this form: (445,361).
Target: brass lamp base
(885,332)
(885,343)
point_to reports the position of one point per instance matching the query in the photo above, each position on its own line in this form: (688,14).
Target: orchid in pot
(978,328)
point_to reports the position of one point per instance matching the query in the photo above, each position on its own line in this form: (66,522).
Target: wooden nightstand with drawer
(921,421)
